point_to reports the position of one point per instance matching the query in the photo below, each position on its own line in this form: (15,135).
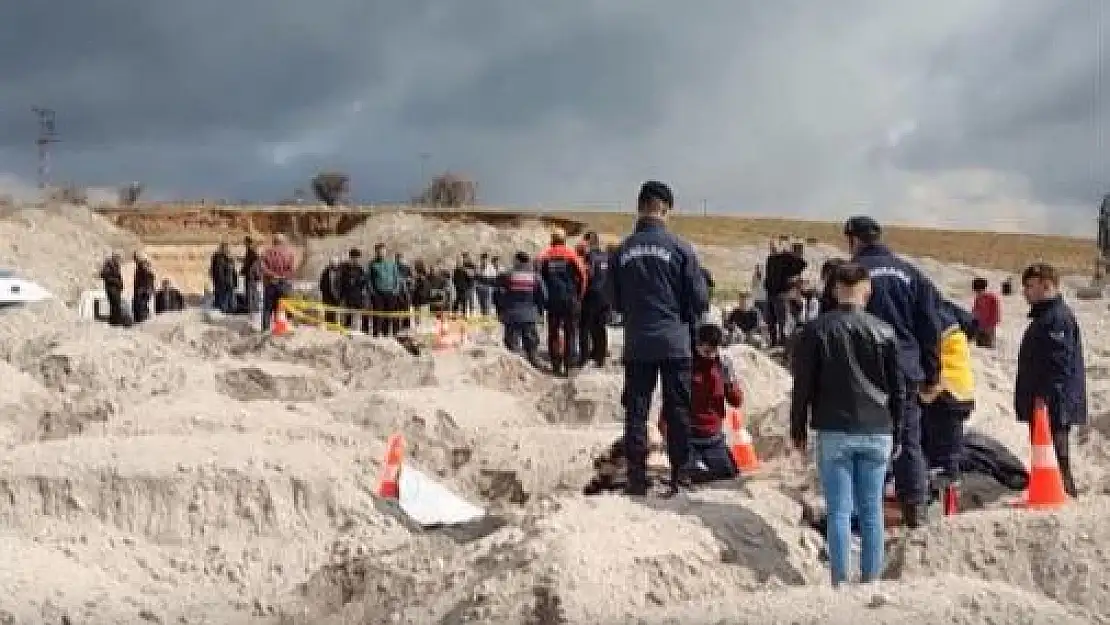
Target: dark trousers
(562,328)
(1061,442)
(115,307)
(271,293)
(712,459)
(639,385)
(910,467)
(942,437)
(593,338)
(140,307)
(386,320)
(522,338)
(223,299)
(779,307)
(330,316)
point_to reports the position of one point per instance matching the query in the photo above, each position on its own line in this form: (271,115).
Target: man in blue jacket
(905,298)
(593,337)
(659,289)
(520,298)
(1050,364)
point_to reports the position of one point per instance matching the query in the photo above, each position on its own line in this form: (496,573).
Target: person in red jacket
(987,312)
(716,388)
(565,277)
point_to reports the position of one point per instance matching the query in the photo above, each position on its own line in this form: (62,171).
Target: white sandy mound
(190,471)
(60,247)
(432,240)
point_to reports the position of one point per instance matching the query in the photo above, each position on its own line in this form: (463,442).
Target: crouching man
(715,388)
(745,325)
(520,299)
(944,413)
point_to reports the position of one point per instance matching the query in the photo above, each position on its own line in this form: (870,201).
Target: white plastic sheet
(431,504)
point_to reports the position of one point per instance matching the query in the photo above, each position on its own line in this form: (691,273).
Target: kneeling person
(715,388)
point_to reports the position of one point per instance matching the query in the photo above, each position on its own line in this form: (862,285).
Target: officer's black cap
(655,190)
(863,227)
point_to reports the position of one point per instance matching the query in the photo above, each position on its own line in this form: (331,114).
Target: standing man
(252,275)
(112,275)
(330,293)
(593,339)
(352,290)
(279,265)
(1050,364)
(520,300)
(565,277)
(783,267)
(659,290)
(906,299)
(221,270)
(143,287)
(386,293)
(848,387)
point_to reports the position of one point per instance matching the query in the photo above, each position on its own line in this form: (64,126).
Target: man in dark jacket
(520,299)
(112,275)
(783,268)
(565,276)
(221,271)
(659,290)
(902,296)
(848,386)
(352,287)
(593,337)
(330,291)
(143,287)
(1050,364)
(252,275)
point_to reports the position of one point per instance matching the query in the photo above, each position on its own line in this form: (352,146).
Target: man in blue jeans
(848,387)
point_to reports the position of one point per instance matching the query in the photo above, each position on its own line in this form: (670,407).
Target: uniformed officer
(659,289)
(905,298)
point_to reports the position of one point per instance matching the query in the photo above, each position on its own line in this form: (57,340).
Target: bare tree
(331,187)
(449,190)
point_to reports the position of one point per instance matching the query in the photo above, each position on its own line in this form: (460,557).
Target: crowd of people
(882,370)
(165,298)
(881,361)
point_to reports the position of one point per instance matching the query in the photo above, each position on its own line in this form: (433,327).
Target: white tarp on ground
(430,503)
(16,290)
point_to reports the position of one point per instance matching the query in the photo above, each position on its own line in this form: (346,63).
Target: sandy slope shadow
(748,540)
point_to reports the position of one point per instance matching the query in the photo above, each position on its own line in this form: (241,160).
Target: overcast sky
(948,112)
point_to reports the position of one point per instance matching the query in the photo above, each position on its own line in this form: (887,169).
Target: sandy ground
(190,472)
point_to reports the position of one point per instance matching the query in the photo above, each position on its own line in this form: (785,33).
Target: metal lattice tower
(48,135)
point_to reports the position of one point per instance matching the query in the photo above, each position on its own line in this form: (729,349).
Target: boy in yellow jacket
(945,411)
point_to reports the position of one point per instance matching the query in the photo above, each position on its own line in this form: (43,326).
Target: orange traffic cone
(280,326)
(1046,485)
(388,486)
(741,445)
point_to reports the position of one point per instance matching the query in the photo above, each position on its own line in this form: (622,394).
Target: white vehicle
(15,290)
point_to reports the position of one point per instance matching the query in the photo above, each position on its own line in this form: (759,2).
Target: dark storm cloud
(918,111)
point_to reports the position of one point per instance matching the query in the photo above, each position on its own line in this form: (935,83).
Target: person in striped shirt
(279,264)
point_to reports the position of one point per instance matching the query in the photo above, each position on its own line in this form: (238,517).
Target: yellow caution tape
(314,310)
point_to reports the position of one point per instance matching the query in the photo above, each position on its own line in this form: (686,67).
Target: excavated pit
(274,382)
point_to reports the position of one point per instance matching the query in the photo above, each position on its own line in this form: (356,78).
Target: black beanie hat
(655,190)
